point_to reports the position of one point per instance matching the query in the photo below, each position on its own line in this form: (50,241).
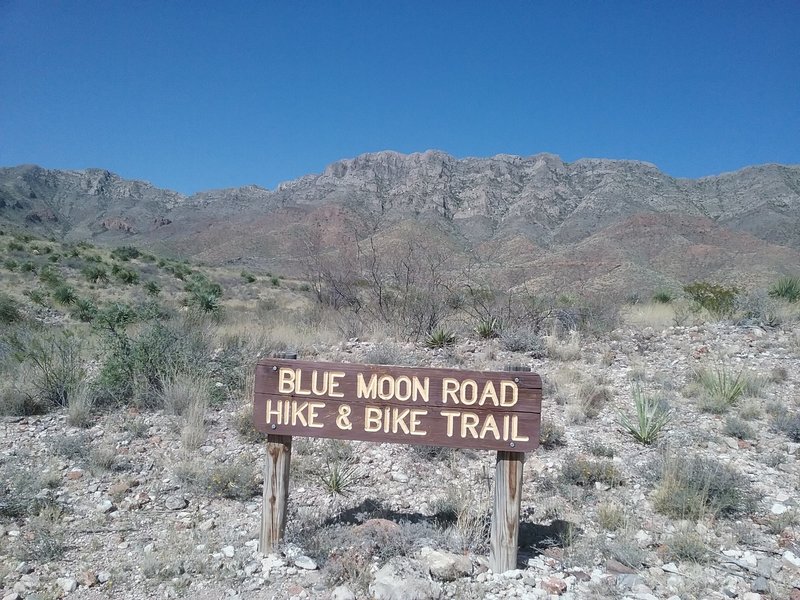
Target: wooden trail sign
(408,405)
(405,405)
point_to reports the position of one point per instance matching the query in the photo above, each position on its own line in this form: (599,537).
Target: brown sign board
(405,405)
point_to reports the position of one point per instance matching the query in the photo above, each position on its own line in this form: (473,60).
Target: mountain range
(591,224)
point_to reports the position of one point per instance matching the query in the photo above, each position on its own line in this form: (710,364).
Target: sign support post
(508,473)
(276,487)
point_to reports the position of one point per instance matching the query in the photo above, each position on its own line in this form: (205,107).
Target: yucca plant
(651,416)
(662,297)
(339,477)
(488,328)
(722,388)
(787,288)
(85,310)
(65,294)
(441,338)
(152,288)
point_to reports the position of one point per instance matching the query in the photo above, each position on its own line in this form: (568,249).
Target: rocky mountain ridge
(542,199)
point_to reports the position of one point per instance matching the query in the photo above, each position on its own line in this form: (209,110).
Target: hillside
(751,217)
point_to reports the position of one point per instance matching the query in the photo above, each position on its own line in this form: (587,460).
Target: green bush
(65,294)
(718,300)
(125,253)
(50,276)
(95,273)
(84,310)
(125,275)
(55,359)
(9,310)
(691,488)
(27,267)
(663,297)
(248,277)
(582,471)
(787,288)
(152,288)
(11,265)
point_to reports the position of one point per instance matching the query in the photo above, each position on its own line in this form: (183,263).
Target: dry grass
(656,315)
(563,347)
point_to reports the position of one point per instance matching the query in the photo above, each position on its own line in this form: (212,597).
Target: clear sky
(199,95)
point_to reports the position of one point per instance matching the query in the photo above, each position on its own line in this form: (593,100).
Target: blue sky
(193,95)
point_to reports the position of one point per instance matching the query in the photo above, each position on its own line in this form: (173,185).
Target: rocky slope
(133,522)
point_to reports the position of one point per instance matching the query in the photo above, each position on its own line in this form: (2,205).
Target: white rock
(106,506)
(68,584)
(228,551)
(342,593)
(103,576)
(778,508)
(304,562)
(791,558)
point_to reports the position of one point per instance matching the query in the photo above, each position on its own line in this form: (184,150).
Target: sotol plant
(651,416)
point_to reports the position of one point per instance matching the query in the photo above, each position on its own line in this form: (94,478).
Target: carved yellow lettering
(313,416)
(333,383)
(364,390)
(276,412)
(469,392)
(402,388)
(298,389)
(398,419)
(469,423)
(285,380)
(449,389)
(515,436)
(422,389)
(297,413)
(415,422)
(315,380)
(489,393)
(386,387)
(505,387)
(451,415)
(372,418)
(490,425)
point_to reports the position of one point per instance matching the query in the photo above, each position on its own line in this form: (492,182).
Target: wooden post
(507,502)
(276,486)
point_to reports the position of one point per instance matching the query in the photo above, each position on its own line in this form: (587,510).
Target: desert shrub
(18,397)
(152,288)
(11,265)
(181,392)
(591,398)
(692,487)
(738,428)
(142,362)
(601,450)
(651,416)
(384,353)
(9,310)
(125,275)
(55,360)
(787,422)
(551,435)
(204,294)
(718,300)
(15,246)
(523,339)
(235,479)
(610,516)
(685,544)
(36,296)
(76,448)
(125,253)
(84,310)
(440,338)
(579,470)
(564,349)
(786,288)
(95,273)
(79,411)
(50,276)
(275,281)
(248,277)
(27,267)
(663,297)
